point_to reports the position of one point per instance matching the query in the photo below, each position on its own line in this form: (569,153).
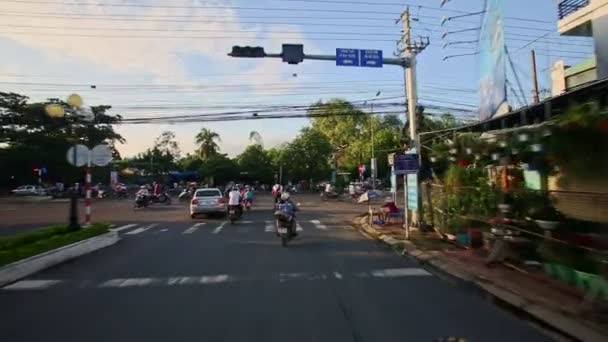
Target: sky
(162,58)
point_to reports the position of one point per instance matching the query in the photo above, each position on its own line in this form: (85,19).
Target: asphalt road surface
(207,280)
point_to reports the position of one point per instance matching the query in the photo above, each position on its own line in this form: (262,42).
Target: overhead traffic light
(247,51)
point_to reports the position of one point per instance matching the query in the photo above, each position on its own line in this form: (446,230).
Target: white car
(29,190)
(207,201)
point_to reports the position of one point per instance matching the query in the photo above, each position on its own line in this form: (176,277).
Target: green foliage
(257,164)
(21,246)
(206,139)
(579,141)
(221,168)
(567,255)
(29,138)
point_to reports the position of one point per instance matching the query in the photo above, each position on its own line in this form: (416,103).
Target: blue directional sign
(371,58)
(406,163)
(347,57)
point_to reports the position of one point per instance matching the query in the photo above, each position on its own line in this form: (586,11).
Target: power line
(241,8)
(182,37)
(190,30)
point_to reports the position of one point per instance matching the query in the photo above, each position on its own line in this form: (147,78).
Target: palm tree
(206,141)
(255,138)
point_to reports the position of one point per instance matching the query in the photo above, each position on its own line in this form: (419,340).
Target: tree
(167,144)
(30,138)
(255,164)
(307,157)
(219,169)
(206,141)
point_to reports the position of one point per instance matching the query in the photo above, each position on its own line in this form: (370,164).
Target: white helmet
(143,187)
(285,196)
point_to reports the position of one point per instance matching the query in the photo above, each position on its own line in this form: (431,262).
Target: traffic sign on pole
(406,163)
(371,58)
(78,155)
(347,57)
(101,155)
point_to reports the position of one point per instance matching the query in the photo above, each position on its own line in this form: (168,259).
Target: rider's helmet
(285,196)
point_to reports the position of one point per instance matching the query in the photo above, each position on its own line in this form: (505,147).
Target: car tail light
(195,202)
(221,201)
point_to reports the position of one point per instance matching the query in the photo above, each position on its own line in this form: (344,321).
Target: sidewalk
(547,300)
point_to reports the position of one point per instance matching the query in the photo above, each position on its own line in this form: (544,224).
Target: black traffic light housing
(293,53)
(247,51)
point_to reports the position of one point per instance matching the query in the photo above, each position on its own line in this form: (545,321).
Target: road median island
(26,253)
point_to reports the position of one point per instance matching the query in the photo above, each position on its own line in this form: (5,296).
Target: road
(208,280)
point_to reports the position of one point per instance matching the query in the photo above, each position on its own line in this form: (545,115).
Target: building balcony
(575,17)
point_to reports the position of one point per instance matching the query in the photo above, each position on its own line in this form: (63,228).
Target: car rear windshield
(208,193)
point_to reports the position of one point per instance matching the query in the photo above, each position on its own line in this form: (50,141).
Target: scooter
(234,213)
(141,202)
(286,226)
(162,198)
(328,196)
(247,204)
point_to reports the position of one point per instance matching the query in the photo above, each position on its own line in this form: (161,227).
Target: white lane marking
(128,282)
(214,279)
(219,228)
(121,228)
(299,228)
(318,224)
(399,272)
(142,229)
(193,228)
(347,227)
(337,275)
(269,226)
(33,284)
(164,230)
(244,222)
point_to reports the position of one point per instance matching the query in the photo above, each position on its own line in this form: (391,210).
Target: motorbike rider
(234,200)
(277,189)
(288,209)
(143,193)
(248,196)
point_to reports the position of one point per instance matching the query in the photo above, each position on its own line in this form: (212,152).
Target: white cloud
(127,60)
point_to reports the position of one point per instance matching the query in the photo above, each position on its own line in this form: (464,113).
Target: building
(587,18)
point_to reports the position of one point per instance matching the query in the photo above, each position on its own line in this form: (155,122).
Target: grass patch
(24,245)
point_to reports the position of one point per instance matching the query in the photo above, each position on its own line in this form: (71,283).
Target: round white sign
(101,155)
(78,155)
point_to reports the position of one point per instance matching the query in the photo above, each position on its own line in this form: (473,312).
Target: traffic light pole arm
(403,62)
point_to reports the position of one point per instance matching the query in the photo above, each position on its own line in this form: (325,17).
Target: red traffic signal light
(247,51)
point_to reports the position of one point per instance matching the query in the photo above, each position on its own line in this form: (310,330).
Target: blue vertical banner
(492,55)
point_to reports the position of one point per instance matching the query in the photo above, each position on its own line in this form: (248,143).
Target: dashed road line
(142,229)
(299,227)
(34,284)
(219,228)
(318,224)
(121,228)
(269,226)
(193,228)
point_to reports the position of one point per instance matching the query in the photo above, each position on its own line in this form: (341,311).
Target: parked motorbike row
(143,201)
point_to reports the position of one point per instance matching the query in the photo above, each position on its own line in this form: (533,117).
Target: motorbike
(286,226)
(247,204)
(327,196)
(162,198)
(185,195)
(141,202)
(234,213)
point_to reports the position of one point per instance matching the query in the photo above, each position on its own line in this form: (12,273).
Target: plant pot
(536,147)
(560,272)
(463,239)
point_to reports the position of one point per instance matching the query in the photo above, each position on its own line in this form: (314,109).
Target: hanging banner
(492,55)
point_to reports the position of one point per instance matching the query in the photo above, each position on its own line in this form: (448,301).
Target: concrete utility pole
(535,94)
(410,51)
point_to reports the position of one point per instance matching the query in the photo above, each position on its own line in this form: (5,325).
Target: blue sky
(54,49)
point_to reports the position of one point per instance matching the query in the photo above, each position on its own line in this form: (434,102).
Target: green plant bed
(21,246)
(586,282)
(560,272)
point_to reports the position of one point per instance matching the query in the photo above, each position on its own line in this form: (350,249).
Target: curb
(558,322)
(23,268)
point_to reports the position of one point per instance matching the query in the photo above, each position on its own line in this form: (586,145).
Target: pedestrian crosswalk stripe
(142,229)
(269,226)
(121,228)
(299,228)
(219,228)
(33,284)
(193,228)
(318,224)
